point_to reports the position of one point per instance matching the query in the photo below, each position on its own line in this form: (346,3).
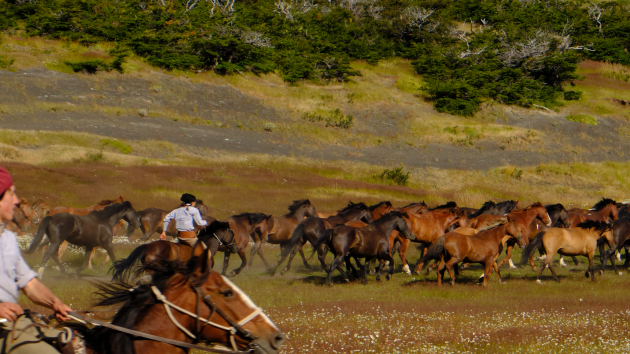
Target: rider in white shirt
(184,217)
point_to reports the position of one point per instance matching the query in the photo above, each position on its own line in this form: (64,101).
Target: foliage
(512,52)
(124,148)
(572,95)
(582,118)
(332,118)
(5,62)
(396,176)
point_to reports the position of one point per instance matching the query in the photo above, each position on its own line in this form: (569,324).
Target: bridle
(234,328)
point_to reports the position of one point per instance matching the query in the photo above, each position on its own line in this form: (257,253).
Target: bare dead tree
(190,4)
(161,3)
(225,6)
(20,2)
(256,39)
(284,8)
(533,47)
(416,16)
(354,6)
(565,40)
(373,9)
(595,13)
(461,35)
(289,9)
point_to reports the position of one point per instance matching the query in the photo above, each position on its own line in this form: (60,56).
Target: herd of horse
(178,301)
(449,236)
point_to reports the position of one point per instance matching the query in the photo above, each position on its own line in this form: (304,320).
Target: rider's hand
(163,236)
(61,311)
(10,311)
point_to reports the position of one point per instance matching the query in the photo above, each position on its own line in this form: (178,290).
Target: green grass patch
(332,118)
(124,148)
(582,118)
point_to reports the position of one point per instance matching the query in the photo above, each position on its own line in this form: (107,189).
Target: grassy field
(405,315)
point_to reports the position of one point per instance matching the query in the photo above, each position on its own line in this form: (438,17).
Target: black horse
(621,239)
(502,208)
(89,231)
(312,228)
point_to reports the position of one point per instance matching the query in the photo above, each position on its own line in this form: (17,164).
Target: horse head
(513,229)
(228,306)
(20,219)
(29,212)
(541,213)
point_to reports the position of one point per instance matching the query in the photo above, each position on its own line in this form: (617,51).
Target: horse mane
(393,214)
(485,207)
(136,299)
(415,204)
(106,202)
(554,208)
(449,205)
(600,226)
(352,206)
(492,225)
(387,203)
(215,226)
(603,203)
(113,209)
(297,204)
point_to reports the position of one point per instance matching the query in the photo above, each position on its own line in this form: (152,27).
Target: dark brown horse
(620,239)
(242,225)
(483,247)
(89,231)
(501,208)
(279,229)
(579,241)
(217,312)
(524,218)
(312,228)
(364,242)
(159,250)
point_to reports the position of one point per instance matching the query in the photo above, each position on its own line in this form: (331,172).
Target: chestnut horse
(414,208)
(524,218)
(483,247)
(159,250)
(364,242)
(75,211)
(579,241)
(279,229)
(484,220)
(312,228)
(41,208)
(217,312)
(605,210)
(242,225)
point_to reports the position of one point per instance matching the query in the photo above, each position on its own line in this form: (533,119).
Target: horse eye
(227,293)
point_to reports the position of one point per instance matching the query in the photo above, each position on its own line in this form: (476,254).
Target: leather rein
(234,328)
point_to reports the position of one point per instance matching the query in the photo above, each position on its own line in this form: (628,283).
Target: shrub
(97,156)
(582,118)
(395,176)
(332,118)
(5,62)
(572,95)
(124,148)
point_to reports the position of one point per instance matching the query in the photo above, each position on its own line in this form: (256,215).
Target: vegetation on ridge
(513,52)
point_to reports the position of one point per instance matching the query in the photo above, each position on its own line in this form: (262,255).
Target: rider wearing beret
(18,334)
(184,217)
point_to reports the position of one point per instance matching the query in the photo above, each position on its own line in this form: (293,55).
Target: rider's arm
(167,220)
(197,217)
(39,294)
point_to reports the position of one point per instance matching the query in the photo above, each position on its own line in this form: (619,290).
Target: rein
(77,317)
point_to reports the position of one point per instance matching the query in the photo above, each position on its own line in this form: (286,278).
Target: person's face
(8,201)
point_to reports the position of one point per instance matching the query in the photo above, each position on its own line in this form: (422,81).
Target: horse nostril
(278,340)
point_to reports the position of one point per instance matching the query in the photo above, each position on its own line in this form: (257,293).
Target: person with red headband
(16,275)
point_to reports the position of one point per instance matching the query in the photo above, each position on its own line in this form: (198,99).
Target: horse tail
(122,269)
(296,236)
(326,238)
(536,244)
(435,251)
(41,232)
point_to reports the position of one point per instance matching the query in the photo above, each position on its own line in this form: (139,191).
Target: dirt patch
(132,108)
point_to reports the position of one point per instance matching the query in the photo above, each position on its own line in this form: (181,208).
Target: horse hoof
(538,281)
(453,283)
(601,272)
(406,269)
(513,267)
(388,277)
(586,274)
(620,273)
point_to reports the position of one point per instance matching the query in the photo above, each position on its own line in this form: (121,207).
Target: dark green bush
(572,95)
(396,176)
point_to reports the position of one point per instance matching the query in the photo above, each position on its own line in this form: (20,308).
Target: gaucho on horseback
(184,217)
(18,332)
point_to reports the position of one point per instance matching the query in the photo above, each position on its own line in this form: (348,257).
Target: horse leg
(627,262)
(390,274)
(591,255)
(508,256)
(495,266)
(253,252)
(403,258)
(365,270)
(334,265)
(260,253)
(238,270)
(62,248)
(422,248)
(381,265)
(449,268)
(308,266)
(487,271)
(92,252)
(294,251)
(349,266)
(531,263)
(372,270)
(226,261)
(322,251)
(552,268)
(86,260)
(575,261)
(543,265)
(440,271)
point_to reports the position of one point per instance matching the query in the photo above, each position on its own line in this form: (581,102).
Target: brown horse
(312,228)
(483,247)
(604,210)
(580,241)
(23,217)
(75,211)
(414,208)
(217,312)
(484,220)
(380,209)
(279,229)
(364,242)
(427,227)
(41,208)
(524,218)
(160,250)
(242,225)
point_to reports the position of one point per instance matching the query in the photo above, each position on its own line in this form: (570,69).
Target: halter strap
(233,329)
